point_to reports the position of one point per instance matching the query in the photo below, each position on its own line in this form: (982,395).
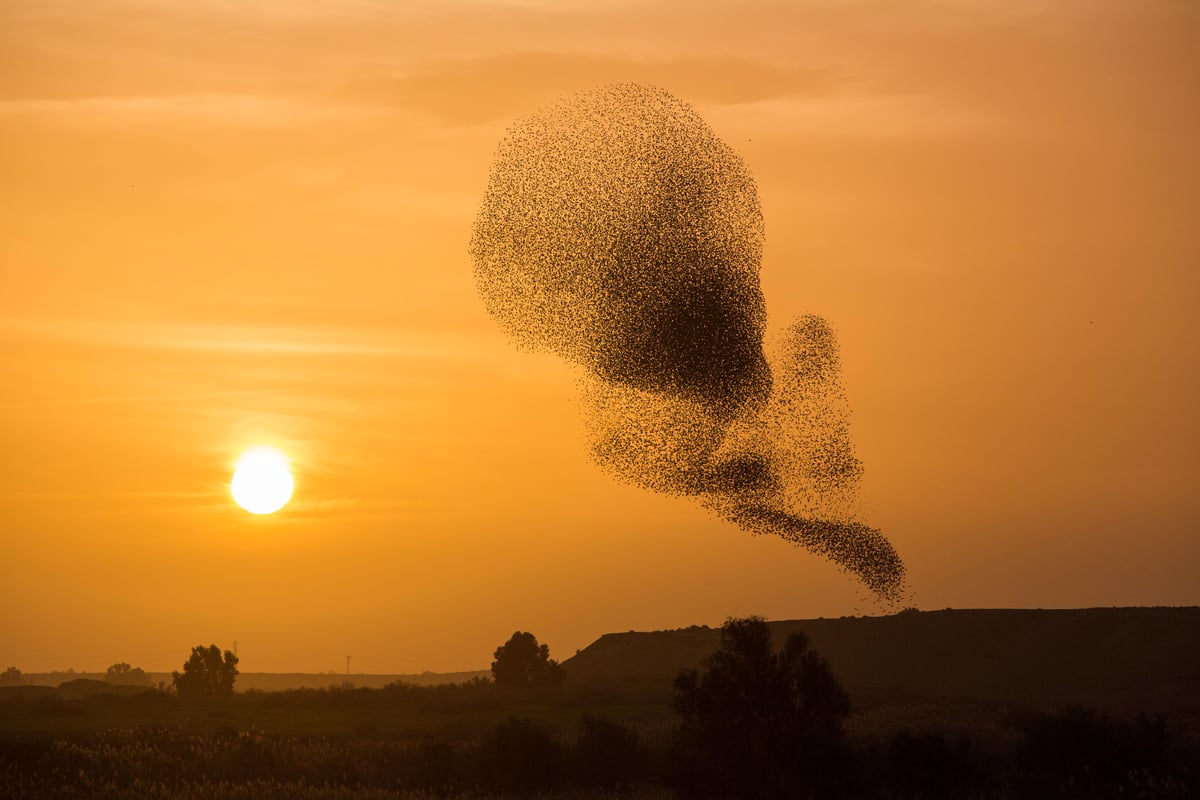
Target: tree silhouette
(522,757)
(608,754)
(521,661)
(11,677)
(124,674)
(206,673)
(758,723)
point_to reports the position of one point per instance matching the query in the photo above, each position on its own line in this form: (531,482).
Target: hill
(1146,658)
(263,681)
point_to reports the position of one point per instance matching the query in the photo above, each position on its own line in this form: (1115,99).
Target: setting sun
(262,482)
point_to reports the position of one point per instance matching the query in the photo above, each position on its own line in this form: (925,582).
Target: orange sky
(235,223)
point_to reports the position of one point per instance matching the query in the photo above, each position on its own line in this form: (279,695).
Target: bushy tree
(608,754)
(11,677)
(1092,752)
(523,757)
(521,661)
(207,673)
(122,673)
(758,723)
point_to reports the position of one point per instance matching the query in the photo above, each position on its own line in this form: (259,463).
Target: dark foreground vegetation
(761,717)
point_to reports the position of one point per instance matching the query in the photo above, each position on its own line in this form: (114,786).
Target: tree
(11,677)
(758,723)
(522,757)
(206,673)
(521,661)
(608,754)
(124,674)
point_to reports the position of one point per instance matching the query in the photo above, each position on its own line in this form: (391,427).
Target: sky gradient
(227,224)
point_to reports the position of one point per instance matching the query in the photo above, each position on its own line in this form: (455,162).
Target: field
(607,733)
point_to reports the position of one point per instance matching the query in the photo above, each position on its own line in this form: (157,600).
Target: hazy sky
(234,223)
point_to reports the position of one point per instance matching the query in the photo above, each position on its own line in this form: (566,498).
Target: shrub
(521,756)
(758,723)
(608,754)
(1079,747)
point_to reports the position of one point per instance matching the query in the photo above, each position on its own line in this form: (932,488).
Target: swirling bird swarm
(618,232)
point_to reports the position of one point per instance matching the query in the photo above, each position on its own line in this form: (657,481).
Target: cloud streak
(216,110)
(253,339)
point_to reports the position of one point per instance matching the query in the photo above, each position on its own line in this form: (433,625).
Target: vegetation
(11,677)
(758,723)
(484,740)
(762,716)
(124,674)
(521,661)
(516,759)
(1121,659)
(207,674)
(610,755)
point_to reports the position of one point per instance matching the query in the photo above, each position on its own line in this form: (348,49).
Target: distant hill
(70,690)
(1125,657)
(278,681)
(94,682)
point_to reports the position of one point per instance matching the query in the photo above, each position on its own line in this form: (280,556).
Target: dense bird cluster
(618,232)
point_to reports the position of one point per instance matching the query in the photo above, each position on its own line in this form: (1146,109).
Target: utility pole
(347,665)
(235,648)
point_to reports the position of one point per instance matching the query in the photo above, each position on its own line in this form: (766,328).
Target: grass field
(415,742)
(607,734)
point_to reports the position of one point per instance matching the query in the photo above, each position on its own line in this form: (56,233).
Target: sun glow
(262,482)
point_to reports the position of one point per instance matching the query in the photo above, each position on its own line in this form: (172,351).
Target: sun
(262,481)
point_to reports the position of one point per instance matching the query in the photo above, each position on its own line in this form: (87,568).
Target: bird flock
(620,233)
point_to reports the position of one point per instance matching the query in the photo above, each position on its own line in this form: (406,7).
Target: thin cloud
(477,90)
(912,115)
(751,94)
(219,110)
(147,399)
(254,339)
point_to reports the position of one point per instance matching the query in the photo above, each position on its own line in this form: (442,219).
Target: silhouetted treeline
(517,755)
(760,718)
(1069,753)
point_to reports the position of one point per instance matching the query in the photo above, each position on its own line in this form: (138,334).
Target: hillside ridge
(1137,656)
